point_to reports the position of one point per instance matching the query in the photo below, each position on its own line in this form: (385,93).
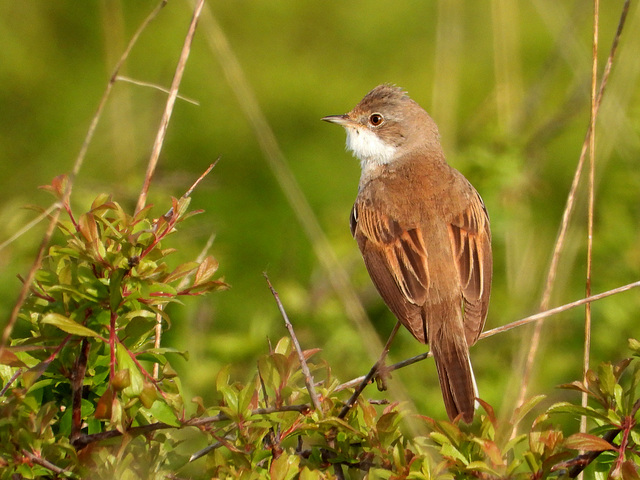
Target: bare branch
(369,376)
(308,379)
(43,462)
(566,216)
(171,100)
(591,205)
(85,440)
(504,328)
(17,373)
(141,83)
(29,225)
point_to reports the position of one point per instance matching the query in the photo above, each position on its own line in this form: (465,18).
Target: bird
(424,234)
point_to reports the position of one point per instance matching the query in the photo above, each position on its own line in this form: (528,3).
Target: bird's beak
(343,120)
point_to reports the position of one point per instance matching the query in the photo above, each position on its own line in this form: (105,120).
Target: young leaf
(103,407)
(7,357)
(630,471)
(67,325)
(126,363)
(206,270)
(587,442)
(88,227)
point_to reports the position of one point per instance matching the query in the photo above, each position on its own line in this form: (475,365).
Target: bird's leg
(377,367)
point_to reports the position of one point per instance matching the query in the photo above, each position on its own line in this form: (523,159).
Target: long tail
(457,382)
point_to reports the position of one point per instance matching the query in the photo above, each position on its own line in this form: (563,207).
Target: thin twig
(29,225)
(566,216)
(158,329)
(504,328)
(308,379)
(298,202)
(591,206)
(168,110)
(77,383)
(141,83)
(17,373)
(369,376)
(43,462)
(88,439)
(205,451)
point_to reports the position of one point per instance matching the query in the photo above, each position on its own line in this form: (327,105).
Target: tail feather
(455,373)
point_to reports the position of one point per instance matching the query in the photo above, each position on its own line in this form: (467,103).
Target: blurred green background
(508,82)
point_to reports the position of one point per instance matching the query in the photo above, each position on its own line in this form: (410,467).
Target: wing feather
(397,264)
(402,251)
(471,244)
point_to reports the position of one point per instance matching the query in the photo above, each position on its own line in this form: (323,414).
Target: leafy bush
(81,398)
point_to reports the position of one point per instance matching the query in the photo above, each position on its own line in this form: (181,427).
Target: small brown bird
(423,232)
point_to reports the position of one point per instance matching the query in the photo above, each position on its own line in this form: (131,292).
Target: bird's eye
(376,119)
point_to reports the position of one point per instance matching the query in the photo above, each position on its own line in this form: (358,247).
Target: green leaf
(306,474)
(532,462)
(285,467)
(121,379)
(222,379)
(149,395)
(163,413)
(7,357)
(67,325)
(126,362)
(587,442)
(525,408)
(115,289)
(606,378)
(448,450)
(491,450)
(478,466)
(284,346)
(30,376)
(634,345)
(577,410)
(88,227)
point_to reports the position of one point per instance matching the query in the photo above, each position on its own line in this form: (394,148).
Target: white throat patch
(368,147)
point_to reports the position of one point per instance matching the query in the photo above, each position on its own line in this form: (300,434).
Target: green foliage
(84,364)
(80,399)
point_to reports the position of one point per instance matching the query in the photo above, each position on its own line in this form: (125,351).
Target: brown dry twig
(168,110)
(494,331)
(308,379)
(43,462)
(84,440)
(566,216)
(372,373)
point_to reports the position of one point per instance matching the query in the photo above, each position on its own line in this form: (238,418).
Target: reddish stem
(112,346)
(77,380)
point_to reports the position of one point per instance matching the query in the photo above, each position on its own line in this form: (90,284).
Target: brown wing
(471,244)
(397,263)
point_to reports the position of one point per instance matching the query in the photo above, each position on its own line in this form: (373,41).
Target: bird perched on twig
(423,232)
